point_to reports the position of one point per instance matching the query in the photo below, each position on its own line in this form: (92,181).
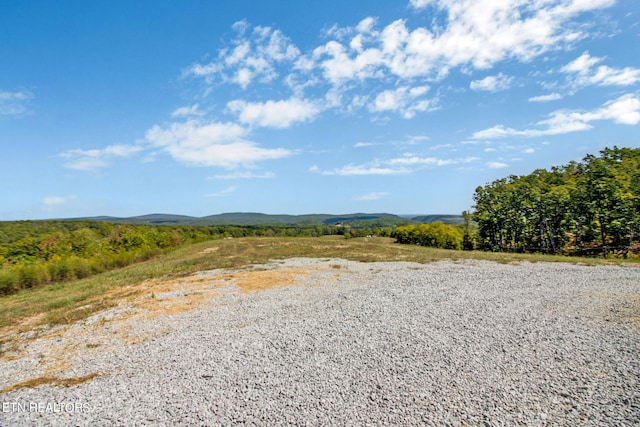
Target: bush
(8,282)
(435,235)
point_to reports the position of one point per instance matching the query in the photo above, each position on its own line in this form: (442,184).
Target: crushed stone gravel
(349,343)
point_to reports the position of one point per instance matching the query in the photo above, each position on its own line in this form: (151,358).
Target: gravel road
(335,342)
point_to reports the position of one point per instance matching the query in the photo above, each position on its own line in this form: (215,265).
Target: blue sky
(403,106)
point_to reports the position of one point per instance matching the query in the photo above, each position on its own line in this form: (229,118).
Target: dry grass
(35,382)
(66,303)
(182,281)
(252,281)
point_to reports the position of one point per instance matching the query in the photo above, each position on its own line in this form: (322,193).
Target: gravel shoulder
(335,342)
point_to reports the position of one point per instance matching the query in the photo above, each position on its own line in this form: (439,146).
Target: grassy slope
(68,302)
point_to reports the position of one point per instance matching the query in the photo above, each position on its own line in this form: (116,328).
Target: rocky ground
(334,342)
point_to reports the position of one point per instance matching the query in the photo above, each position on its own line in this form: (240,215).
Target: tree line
(582,208)
(435,235)
(39,253)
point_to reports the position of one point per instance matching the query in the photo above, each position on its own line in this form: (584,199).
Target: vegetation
(433,235)
(252,218)
(67,302)
(60,271)
(582,208)
(39,253)
(36,253)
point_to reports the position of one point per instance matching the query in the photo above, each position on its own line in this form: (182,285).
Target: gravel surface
(347,343)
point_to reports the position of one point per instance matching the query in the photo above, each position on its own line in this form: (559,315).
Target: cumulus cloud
(96,159)
(546,98)
(476,34)
(492,83)
(274,114)
(253,55)
(342,71)
(497,165)
(420,4)
(14,103)
(585,73)
(404,100)
(210,144)
(623,110)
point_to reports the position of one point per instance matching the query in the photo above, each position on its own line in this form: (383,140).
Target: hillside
(447,219)
(254,218)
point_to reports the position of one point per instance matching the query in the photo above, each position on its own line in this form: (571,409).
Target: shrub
(436,235)
(8,282)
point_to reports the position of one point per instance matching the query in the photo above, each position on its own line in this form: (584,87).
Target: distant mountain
(163,219)
(447,219)
(144,219)
(247,218)
(255,218)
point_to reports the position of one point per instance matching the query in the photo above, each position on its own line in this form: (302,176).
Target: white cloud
(96,159)
(468,35)
(404,100)
(492,83)
(411,160)
(364,144)
(546,98)
(415,160)
(339,66)
(192,110)
(420,4)
(245,175)
(210,144)
(477,34)
(14,103)
(396,166)
(440,146)
(275,114)
(352,170)
(53,201)
(624,110)
(229,190)
(497,165)
(372,196)
(250,57)
(586,74)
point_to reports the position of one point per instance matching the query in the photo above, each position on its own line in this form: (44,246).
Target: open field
(322,340)
(68,302)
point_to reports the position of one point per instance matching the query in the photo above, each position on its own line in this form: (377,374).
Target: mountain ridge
(258,218)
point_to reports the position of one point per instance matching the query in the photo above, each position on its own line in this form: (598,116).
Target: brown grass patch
(209,250)
(55,381)
(324,247)
(24,324)
(255,281)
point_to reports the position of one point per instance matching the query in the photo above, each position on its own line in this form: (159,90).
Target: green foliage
(435,235)
(60,251)
(580,208)
(39,253)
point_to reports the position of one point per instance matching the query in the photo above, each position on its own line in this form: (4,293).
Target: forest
(585,208)
(590,207)
(38,253)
